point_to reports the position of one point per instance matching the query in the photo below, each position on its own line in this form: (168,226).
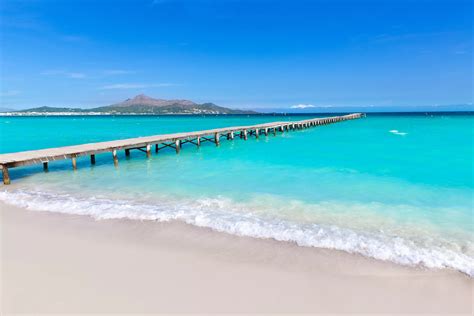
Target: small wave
(218,215)
(397,132)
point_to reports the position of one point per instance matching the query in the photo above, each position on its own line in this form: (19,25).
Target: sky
(237,53)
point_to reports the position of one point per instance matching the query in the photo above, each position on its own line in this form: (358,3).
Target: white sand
(54,263)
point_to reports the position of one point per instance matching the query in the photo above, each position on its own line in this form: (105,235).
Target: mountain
(141,104)
(50,109)
(142,99)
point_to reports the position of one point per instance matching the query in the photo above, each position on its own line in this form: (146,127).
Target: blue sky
(238,53)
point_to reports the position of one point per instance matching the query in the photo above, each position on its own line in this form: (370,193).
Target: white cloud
(111,72)
(309,106)
(157,2)
(55,72)
(76,75)
(135,86)
(302,106)
(9,93)
(73,38)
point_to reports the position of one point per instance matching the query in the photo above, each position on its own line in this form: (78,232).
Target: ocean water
(396,187)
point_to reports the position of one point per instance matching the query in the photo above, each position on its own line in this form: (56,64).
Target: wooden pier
(159,142)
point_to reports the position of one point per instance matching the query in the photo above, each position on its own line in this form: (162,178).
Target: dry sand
(53,263)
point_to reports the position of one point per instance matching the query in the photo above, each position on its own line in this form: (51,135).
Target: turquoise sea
(395,187)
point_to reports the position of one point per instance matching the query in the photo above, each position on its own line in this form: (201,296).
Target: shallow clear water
(392,187)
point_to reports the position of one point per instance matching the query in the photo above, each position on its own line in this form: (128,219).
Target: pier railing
(145,144)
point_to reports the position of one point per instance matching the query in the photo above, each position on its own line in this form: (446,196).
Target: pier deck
(175,140)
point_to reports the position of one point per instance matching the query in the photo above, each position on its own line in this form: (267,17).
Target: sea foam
(220,215)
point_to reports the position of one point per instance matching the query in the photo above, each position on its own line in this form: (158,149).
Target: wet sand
(55,263)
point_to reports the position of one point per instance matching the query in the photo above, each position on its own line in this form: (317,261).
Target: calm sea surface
(392,187)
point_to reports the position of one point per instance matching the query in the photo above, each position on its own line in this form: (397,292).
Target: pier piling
(177,144)
(6,175)
(148,150)
(114,156)
(74,162)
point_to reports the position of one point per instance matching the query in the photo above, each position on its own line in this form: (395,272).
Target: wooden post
(92,159)
(281,128)
(45,166)
(157,148)
(6,176)
(148,150)
(127,152)
(274,131)
(265,131)
(177,144)
(232,135)
(114,156)
(216,138)
(198,141)
(245,134)
(74,163)
(257,131)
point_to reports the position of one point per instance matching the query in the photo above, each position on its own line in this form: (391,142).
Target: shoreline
(69,263)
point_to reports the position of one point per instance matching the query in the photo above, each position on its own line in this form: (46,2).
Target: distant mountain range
(141,104)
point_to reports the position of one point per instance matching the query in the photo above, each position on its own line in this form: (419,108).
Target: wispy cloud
(113,72)
(9,93)
(157,2)
(76,75)
(68,74)
(136,86)
(302,106)
(73,38)
(408,36)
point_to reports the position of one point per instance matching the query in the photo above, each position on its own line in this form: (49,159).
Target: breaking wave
(224,215)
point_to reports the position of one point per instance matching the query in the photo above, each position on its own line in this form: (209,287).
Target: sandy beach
(54,263)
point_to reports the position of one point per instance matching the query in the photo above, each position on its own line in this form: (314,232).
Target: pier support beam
(265,131)
(74,163)
(148,150)
(274,131)
(6,175)
(256,132)
(45,166)
(92,159)
(245,134)
(198,141)
(157,148)
(216,139)
(177,144)
(114,156)
(232,135)
(127,152)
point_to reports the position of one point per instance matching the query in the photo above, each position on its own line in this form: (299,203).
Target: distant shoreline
(69,114)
